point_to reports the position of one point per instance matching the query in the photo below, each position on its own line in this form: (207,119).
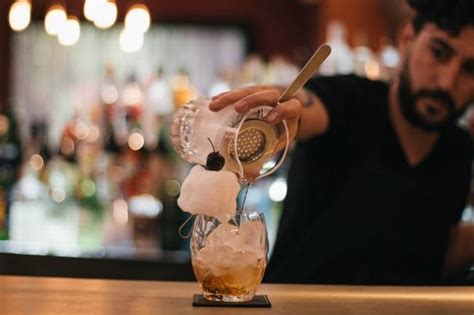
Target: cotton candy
(212,193)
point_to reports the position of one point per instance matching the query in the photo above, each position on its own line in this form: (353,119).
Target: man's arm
(305,107)
(460,255)
(314,118)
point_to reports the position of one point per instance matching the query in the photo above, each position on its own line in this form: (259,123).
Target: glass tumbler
(229,259)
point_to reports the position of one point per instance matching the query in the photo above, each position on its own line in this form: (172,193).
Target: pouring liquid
(236,219)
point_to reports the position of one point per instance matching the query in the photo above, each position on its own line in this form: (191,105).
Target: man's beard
(408,99)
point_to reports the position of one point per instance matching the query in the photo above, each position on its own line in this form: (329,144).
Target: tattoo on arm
(309,99)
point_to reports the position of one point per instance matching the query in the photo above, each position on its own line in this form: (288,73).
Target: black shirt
(356,211)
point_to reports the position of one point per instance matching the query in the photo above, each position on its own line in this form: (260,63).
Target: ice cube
(218,260)
(212,193)
(225,234)
(245,269)
(251,238)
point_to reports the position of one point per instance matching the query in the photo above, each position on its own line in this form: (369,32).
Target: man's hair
(449,15)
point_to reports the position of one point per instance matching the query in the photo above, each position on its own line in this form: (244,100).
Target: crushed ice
(229,246)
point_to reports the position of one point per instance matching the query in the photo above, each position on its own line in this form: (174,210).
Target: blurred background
(88,177)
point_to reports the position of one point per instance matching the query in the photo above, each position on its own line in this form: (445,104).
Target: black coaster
(257,301)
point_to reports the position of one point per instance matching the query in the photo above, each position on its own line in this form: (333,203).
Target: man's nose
(448,76)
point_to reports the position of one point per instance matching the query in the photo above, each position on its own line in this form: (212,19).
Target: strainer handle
(306,72)
(303,76)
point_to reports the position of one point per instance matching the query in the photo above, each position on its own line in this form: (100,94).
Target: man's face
(437,78)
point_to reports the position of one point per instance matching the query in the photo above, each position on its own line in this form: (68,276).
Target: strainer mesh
(250,145)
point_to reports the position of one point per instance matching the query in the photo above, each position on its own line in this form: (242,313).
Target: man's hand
(245,99)
(305,113)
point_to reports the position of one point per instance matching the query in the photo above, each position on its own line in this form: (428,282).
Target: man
(380,173)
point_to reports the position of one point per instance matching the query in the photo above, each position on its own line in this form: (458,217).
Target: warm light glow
(67,146)
(4,124)
(88,187)
(120,211)
(132,94)
(19,16)
(136,141)
(55,19)
(130,41)
(277,190)
(58,195)
(180,82)
(145,205)
(81,130)
(70,32)
(91,9)
(94,134)
(36,162)
(172,187)
(372,69)
(109,94)
(106,15)
(138,19)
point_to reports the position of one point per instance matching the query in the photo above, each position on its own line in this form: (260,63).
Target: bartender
(380,173)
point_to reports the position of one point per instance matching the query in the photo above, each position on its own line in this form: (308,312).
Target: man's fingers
(290,112)
(265,97)
(225,99)
(287,110)
(248,98)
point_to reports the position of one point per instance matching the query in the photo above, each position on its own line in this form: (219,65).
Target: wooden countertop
(39,295)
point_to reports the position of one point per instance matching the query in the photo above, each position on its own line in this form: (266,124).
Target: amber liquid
(232,284)
(236,280)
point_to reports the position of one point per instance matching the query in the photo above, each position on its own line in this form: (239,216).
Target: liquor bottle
(114,113)
(3,216)
(10,158)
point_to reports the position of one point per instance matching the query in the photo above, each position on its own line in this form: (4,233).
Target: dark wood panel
(168,268)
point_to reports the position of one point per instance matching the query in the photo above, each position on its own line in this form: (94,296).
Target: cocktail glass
(229,259)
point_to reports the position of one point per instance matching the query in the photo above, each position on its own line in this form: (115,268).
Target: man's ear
(407,37)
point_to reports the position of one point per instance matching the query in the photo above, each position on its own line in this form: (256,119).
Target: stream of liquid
(245,197)
(242,206)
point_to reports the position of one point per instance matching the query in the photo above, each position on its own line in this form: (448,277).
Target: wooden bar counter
(41,295)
